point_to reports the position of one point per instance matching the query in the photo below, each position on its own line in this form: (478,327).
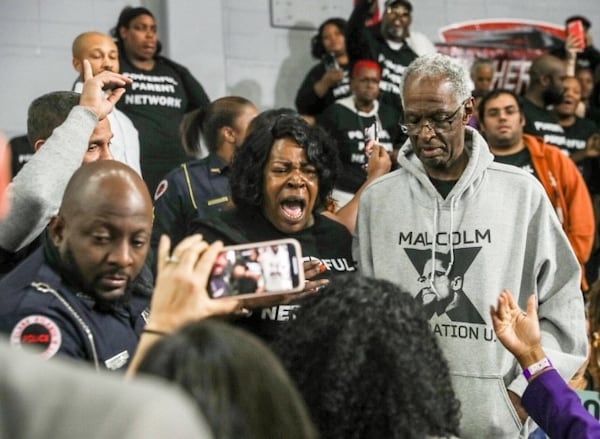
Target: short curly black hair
(247,170)
(364,358)
(317,49)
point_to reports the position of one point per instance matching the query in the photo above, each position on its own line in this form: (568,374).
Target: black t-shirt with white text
(577,136)
(542,123)
(156,103)
(326,240)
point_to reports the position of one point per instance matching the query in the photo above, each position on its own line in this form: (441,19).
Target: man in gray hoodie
(497,229)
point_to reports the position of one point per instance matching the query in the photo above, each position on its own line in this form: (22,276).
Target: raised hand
(380,161)
(101,92)
(518,331)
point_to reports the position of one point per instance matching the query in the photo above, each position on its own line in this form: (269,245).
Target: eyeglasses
(437,122)
(397,10)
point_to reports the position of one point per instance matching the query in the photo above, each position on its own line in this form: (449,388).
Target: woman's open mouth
(293,208)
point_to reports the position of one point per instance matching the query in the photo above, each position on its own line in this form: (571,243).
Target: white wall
(35,49)
(230,45)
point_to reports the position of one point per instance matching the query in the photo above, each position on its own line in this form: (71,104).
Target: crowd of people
(431,209)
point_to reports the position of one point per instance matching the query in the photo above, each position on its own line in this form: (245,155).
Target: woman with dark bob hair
(248,168)
(363,356)
(240,386)
(281,178)
(329,79)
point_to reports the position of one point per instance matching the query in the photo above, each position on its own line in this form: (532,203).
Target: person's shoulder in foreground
(62,399)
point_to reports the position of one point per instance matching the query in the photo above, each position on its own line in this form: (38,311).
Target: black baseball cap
(404,3)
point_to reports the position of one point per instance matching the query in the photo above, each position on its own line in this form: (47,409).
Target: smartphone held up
(330,61)
(257,269)
(576,30)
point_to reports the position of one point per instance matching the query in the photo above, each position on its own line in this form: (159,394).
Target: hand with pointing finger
(101,92)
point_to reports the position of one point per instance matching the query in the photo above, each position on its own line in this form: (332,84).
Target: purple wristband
(537,367)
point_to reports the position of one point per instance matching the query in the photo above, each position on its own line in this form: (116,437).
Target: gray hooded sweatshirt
(495,230)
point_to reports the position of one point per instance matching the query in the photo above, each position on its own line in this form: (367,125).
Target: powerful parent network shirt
(156,102)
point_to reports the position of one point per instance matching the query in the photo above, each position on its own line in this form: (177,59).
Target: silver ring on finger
(172,259)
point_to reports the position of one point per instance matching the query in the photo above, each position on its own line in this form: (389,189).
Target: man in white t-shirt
(102,53)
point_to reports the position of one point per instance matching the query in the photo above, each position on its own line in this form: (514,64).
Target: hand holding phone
(180,295)
(372,132)
(371,136)
(576,35)
(380,161)
(330,62)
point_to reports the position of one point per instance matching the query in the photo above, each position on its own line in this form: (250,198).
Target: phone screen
(330,61)
(246,270)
